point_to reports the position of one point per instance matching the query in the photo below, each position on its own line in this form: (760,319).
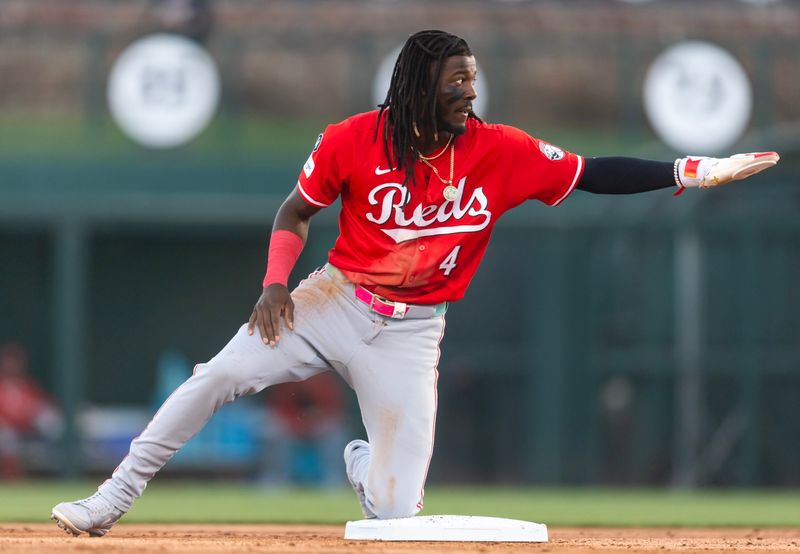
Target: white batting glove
(702,172)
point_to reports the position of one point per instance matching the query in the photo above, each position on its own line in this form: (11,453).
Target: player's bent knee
(396,512)
(396,508)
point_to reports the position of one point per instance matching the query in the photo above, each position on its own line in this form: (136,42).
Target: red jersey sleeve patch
(327,167)
(540,170)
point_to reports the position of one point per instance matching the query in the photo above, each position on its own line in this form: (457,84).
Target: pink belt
(387,308)
(397,310)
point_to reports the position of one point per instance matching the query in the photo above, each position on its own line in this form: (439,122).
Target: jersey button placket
(412,277)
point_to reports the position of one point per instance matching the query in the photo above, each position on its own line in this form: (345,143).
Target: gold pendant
(450,192)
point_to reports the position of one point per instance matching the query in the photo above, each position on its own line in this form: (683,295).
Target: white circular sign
(698,98)
(163,90)
(384,77)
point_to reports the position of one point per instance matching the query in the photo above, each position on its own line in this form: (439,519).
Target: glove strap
(688,172)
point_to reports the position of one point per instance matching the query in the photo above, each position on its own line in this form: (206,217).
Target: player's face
(455,93)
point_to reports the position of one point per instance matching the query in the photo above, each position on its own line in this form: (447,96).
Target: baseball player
(422,182)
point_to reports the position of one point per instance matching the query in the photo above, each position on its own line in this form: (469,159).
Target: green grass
(170,502)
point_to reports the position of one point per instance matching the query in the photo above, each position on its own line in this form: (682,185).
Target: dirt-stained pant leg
(395,380)
(244,366)
(391,365)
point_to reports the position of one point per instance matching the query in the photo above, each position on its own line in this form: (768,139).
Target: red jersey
(422,243)
(21,402)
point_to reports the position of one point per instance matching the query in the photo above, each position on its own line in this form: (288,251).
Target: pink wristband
(284,249)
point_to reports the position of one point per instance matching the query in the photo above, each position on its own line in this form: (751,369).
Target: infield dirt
(47,538)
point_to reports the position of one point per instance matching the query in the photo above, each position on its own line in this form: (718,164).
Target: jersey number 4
(449,263)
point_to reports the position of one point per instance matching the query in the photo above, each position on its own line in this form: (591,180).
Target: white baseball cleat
(94,515)
(353,452)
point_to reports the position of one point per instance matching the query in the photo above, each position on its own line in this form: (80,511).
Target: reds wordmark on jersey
(422,243)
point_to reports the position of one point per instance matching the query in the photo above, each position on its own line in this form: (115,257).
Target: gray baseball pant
(390,363)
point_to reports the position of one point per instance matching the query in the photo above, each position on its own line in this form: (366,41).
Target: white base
(446,528)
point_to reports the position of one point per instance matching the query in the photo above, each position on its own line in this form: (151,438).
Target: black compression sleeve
(625,175)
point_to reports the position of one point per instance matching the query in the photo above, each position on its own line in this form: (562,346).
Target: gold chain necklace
(448,182)
(449,140)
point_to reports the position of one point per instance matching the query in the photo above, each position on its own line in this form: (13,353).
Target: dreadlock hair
(417,69)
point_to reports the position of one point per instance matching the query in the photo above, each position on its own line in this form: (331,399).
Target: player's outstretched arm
(615,175)
(289,234)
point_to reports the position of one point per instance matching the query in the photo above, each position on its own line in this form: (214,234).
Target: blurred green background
(644,340)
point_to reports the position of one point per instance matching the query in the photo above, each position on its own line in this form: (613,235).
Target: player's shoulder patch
(308,167)
(319,141)
(551,152)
